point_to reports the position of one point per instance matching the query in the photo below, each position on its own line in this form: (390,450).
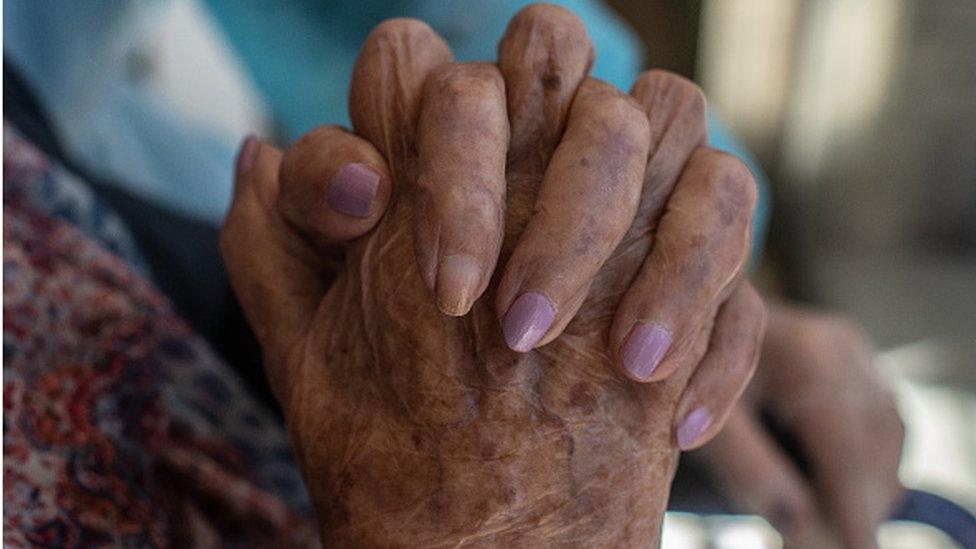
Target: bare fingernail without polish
(353,189)
(645,347)
(458,279)
(527,320)
(692,426)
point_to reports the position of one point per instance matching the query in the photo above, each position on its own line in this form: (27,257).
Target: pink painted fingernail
(246,155)
(692,426)
(645,347)
(353,189)
(527,320)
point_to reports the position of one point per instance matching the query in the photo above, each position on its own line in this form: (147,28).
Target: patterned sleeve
(121,427)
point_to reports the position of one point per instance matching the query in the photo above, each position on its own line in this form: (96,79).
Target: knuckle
(548,39)
(629,121)
(662,88)
(466,79)
(730,181)
(314,140)
(604,106)
(398,28)
(548,18)
(302,163)
(478,199)
(387,78)
(734,175)
(690,97)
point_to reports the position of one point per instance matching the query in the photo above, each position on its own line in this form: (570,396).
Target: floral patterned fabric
(50,189)
(120,426)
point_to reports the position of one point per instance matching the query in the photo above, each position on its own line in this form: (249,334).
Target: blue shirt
(300,54)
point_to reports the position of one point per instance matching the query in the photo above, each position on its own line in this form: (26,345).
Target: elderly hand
(817,381)
(623,239)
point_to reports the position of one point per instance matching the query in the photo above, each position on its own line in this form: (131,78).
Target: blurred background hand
(815,445)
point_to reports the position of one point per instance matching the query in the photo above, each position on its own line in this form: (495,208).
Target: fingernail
(527,320)
(246,155)
(645,347)
(353,189)
(692,426)
(457,280)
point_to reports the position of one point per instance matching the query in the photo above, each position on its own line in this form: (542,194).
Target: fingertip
(246,155)
(643,349)
(458,284)
(692,428)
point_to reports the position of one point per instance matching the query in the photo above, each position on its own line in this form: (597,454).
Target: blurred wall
(668,28)
(863,111)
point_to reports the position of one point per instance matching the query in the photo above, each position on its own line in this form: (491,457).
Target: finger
(387,88)
(700,249)
(843,424)
(462,141)
(759,478)
(543,56)
(586,202)
(675,108)
(334,186)
(725,370)
(854,469)
(276,274)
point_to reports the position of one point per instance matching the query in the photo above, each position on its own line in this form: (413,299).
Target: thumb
(334,186)
(277,262)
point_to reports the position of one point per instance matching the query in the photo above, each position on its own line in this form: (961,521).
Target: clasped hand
(543,298)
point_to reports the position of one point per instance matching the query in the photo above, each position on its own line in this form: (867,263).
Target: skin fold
(417,428)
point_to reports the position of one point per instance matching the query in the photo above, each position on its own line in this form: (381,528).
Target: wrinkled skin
(414,428)
(443,436)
